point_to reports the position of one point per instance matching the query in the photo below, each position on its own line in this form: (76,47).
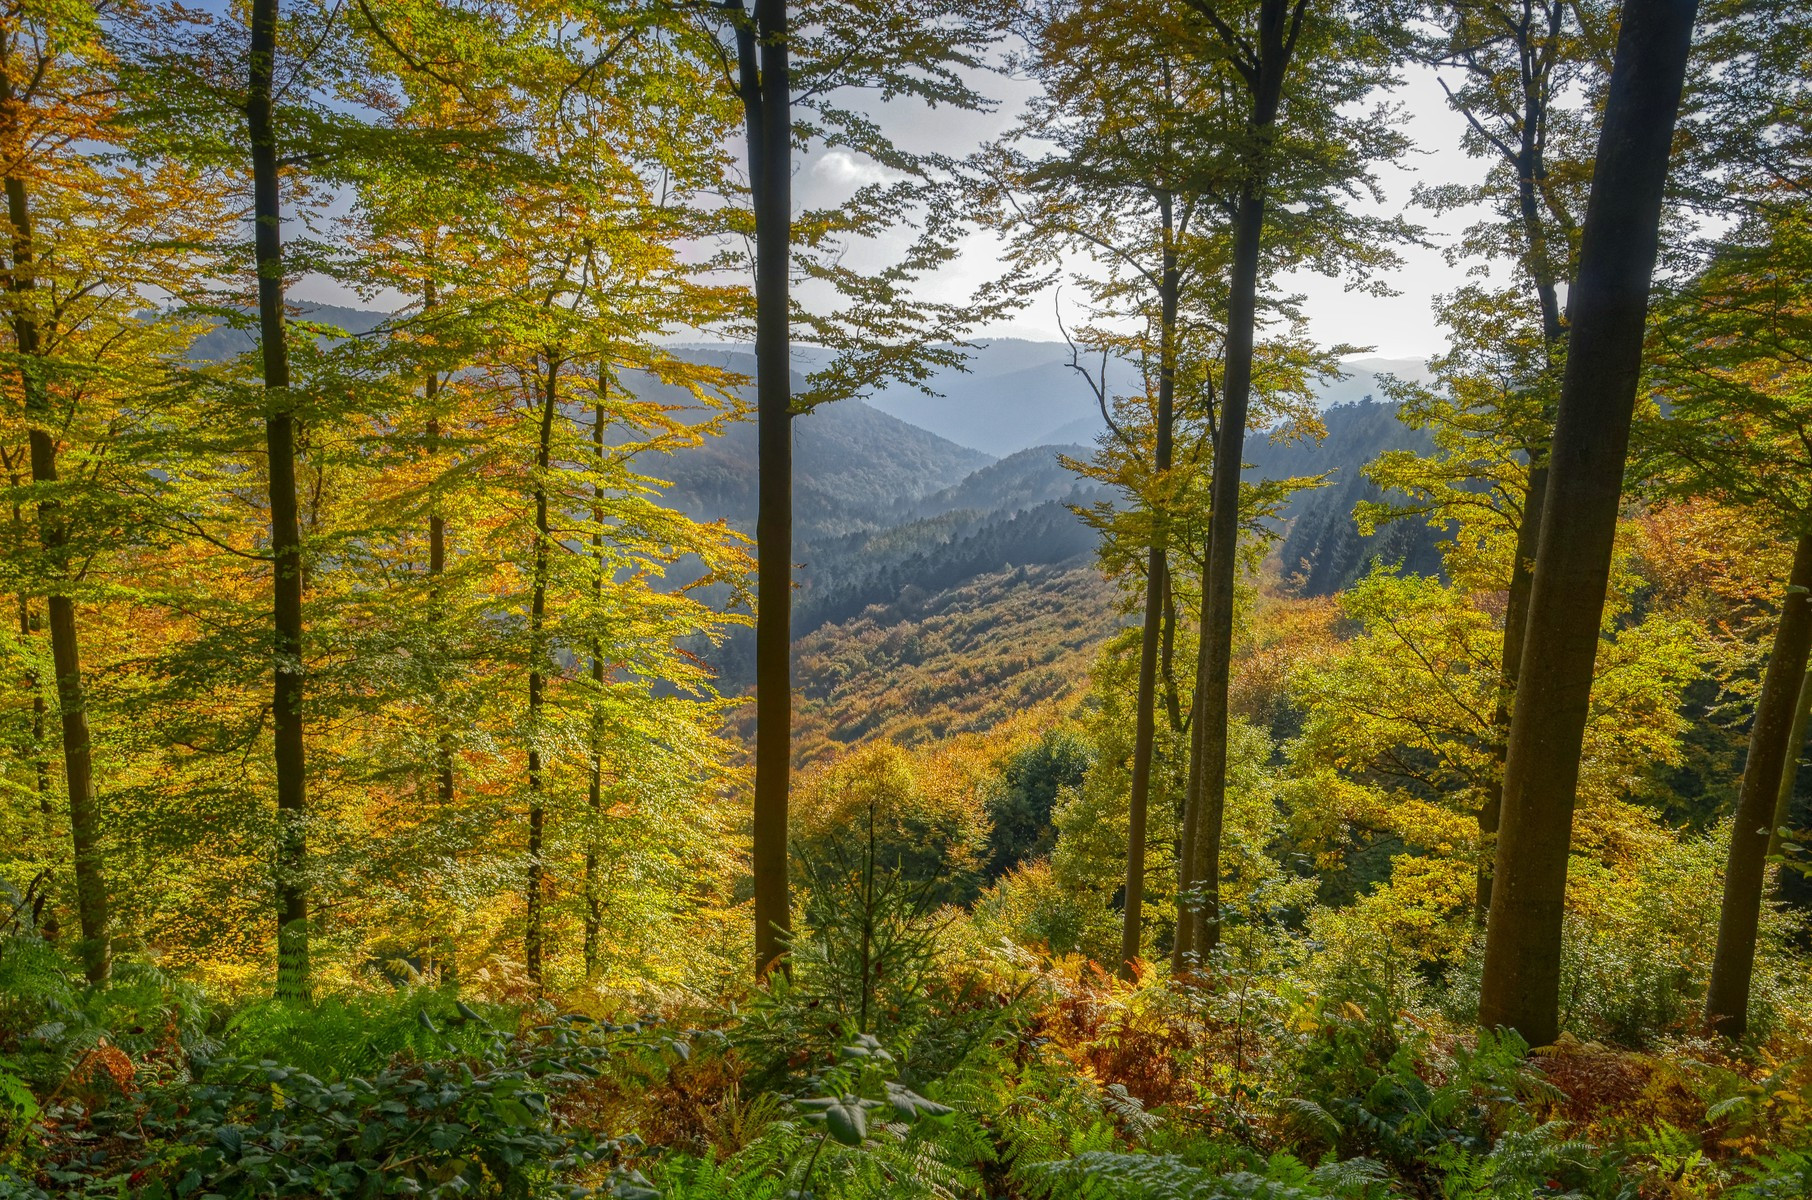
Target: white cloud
(845,171)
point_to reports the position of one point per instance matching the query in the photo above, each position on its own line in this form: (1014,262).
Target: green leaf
(846,1117)
(911,1106)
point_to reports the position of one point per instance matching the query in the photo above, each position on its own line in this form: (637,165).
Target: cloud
(844,170)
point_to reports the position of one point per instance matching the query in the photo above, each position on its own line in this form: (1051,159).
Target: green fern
(1115,1176)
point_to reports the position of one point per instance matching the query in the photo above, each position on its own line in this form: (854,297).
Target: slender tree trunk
(1770,748)
(1167,656)
(437,568)
(1208,774)
(1796,745)
(293,971)
(40,764)
(594,904)
(1182,946)
(1156,572)
(534,936)
(1789,886)
(1516,622)
(767,104)
(65,649)
(1609,306)
(28,627)
(1531,173)
(1279,21)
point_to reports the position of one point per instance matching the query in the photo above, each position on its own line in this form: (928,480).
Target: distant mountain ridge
(1016,394)
(854,466)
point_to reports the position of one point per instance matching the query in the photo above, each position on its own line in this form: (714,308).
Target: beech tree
(91,239)
(1608,304)
(1519,68)
(42,98)
(1729,363)
(787,63)
(1298,68)
(1129,186)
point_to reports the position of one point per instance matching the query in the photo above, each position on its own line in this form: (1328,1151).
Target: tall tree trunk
(1796,745)
(1770,747)
(1263,66)
(594,904)
(1156,573)
(28,627)
(1516,623)
(65,649)
(1609,306)
(767,105)
(293,971)
(437,568)
(1208,770)
(40,764)
(1531,170)
(534,935)
(1167,656)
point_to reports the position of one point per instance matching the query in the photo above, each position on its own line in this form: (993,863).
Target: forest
(553,647)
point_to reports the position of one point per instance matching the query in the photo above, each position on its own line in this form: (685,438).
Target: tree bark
(594,905)
(1205,805)
(767,106)
(1156,574)
(534,935)
(1516,622)
(40,764)
(437,567)
(293,970)
(1770,748)
(65,646)
(1796,745)
(1609,307)
(1531,174)
(28,627)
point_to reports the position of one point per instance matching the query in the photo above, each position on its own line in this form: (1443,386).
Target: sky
(1399,326)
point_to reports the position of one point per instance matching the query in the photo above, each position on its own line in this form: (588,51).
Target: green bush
(359,1032)
(445,1128)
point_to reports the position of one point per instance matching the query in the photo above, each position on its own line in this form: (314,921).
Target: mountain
(1015,394)
(854,466)
(1362,382)
(1027,477)
(965,658)
(1012,395)
(1321,551)
(225,341)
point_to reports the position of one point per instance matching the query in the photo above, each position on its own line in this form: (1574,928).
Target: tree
(1131,184)
(293,971)
(1518,61)
(1608,306)
(1295,154)
(94,239)
(767,94)
(51,66)
(1730,367)
(584,273)
(795,57)
(1399,742)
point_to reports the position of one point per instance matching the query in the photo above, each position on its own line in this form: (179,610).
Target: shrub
(443,1128)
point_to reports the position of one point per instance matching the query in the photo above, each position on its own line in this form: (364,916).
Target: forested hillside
(556,647)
